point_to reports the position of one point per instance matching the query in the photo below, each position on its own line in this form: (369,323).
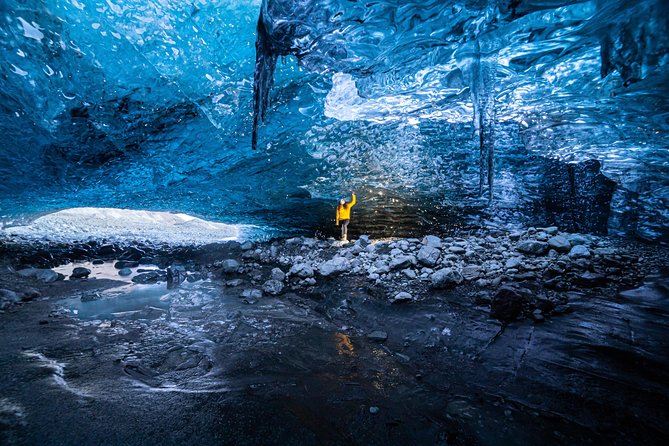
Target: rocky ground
(489,338)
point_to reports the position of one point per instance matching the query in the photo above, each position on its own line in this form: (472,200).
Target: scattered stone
(551,230)
(579,252)
(335,266)
(411,274)
(147,278)
(278,274)
(378,336)
(132,253)
(402,261)
(301,270)
(233,282)
(124,272)
(273,287)
(445,278)
(472,272)
(432,241)
(247,245)
(252,293)
(45,275)
(98,262)
(428,255)
(229,266)
(401,297)
(373,410)
(507,304)
(80,272)
(126,264)
(513,262)
(577,239)
(532,247)
(459,250)
(590,280)
(515,236)
(559,243)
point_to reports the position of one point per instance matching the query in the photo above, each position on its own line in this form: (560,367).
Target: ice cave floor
(491,339)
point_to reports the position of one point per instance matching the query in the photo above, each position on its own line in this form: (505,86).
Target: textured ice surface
(126,225)
(150,104)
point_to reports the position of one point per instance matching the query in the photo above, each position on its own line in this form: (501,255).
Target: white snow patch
(31,30)
(126,224)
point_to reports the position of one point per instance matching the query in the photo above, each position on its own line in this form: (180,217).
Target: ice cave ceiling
(425,107)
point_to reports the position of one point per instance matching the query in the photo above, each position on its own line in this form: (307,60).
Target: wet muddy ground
(106,361)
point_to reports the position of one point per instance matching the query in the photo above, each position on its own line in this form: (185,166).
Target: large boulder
(428,255)
(126,264)
(590,280)
(508,304)
(532,247)
(579,252)
(446,277)
(273,287)
(559,243)
(301,270)
(336,265)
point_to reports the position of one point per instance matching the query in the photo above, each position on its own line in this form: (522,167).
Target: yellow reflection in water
(343,344)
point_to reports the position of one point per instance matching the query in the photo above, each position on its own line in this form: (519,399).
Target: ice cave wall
(423,105)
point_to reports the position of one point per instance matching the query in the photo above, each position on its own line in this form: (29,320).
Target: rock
(431,241)
(411,274)
(513,262)
(278,274)
(301,270)
(80,273)
(515,236)
(126,264)
(532,247)
(401,297)
(538,316)
(98,262)
(551,230)
(378,336)
(45,275)
(457,250)
(233,282)
(483,298)
(472,272)
(175,276)
(132,253)
(362,241)
(577,239)
(445,278)
(229,266)
(273,287)
(252,293)
(147,278)
(107,250)
(579,252)
(335,266)
(590,280)
(559,243)
(507,304)
(124,272)
(428,255)
(8,297)
(192,278)
(247,245)
(402,261)
(373,410)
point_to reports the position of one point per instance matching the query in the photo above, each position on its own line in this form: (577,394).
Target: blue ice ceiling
(485,111)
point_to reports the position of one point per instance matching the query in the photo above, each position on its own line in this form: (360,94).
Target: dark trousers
(344,228)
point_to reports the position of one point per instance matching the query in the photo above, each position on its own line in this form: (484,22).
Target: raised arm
(353,201)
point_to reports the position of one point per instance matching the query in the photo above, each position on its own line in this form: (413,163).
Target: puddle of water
(103,271)
(124,301)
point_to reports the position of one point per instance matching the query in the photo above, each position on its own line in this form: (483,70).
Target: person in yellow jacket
(344,215)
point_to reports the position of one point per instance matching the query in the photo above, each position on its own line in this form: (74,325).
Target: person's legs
(344,229)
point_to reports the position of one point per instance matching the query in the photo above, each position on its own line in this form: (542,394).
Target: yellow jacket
(344,212)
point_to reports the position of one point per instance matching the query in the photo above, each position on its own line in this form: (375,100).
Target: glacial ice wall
(478,108)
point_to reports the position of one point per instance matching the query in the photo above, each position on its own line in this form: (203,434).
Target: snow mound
(125,224)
